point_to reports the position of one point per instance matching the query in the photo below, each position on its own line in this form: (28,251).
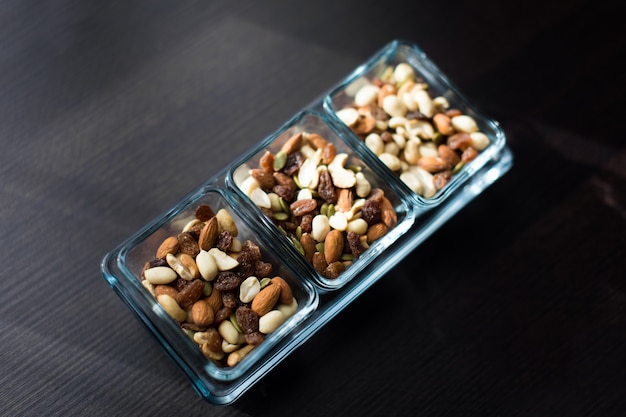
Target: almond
(169,245)
(387,213)
(376,231)
(266,299)
(317,141)
(286,295)
(308,244)
(293,144)
(209,234)
(443,124)
(202,313)
(333,246)
(447,154)
(433,164)
(215,300)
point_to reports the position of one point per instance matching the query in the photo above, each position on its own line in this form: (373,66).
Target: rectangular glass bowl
(131,259)
(308,127)
(414,67)
(319,298)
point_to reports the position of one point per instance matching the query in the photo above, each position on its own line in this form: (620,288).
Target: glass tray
(319,298)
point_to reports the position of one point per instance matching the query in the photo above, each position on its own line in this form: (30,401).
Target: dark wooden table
(110,112)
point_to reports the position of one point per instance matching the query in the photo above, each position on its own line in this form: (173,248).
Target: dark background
(111,112)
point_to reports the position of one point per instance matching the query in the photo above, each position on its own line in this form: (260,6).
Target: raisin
(468,155)
(187,244)
(326,189)
(306,223)
(386,137)
(354,243)
(371,212)
(246,264)
(460,141)
(294,162)
(214,339)
(204,212)
(265,179)
(302,207)
(333,270)
(226,281)
(190,293)
(195,230)
(415,115)
(262,269)
(254,338)
(224,240)
(248,320)
(441,179)
(229,299)
(221,315)
(253,248)
(285,192)
(157,262)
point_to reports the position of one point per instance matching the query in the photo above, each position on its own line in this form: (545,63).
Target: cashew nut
(342,178)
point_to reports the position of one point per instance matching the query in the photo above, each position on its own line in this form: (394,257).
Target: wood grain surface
(111,112)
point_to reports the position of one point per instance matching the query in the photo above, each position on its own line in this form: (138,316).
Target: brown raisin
(294,162)
(253,248)
(254,338)
(326,188)
(226,281)
(221,315)
(319,262)
(441,179)
(469,154)
(190,293)
(224,240)
(246,264)
(333,270)
(229,299)
(204,212)
(354,243)
(386,137)
(156,262)
(248,320)
(371,211)
(262,269)
(264,179)
(302,207)
(214,340)
(306,223)
(285,192)
(460,141)
(187,244)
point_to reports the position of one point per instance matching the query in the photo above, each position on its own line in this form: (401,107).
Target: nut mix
(416,135)
(328,210)
(218,289)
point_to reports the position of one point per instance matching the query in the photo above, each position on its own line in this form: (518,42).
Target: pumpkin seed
(280,160)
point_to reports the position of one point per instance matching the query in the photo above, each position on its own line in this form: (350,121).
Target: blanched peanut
(392,161)
(403,72)
(375,143)
(358,226)
(479,140)
(394,106)
(206,265)
(412,182)
(366,95)
(228,332)
(464,123)
(249,289)
(288,310)
(160,275)
(269,322)
(171,307)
